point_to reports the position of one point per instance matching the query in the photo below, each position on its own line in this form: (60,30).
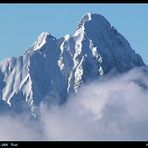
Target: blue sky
(21,24)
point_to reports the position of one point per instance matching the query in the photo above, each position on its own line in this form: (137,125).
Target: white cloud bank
(115,109)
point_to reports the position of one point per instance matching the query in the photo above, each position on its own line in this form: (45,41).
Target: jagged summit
(42,39)
(94,19)
(85,18)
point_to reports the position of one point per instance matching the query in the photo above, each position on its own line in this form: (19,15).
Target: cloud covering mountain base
(111,109)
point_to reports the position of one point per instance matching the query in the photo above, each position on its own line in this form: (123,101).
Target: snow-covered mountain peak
(42,39)
(53,69)
(84,19)
(94,19)
(93,25)
(67,36)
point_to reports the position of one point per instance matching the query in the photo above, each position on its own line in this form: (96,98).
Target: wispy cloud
(113,109)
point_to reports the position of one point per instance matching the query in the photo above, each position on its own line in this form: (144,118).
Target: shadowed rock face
(52,69)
